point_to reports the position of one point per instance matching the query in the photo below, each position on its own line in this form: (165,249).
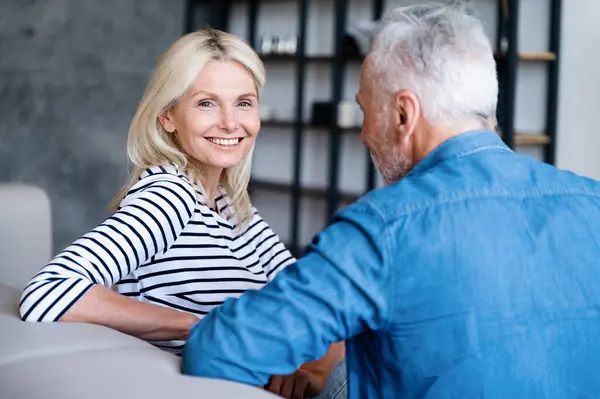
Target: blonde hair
(148,144)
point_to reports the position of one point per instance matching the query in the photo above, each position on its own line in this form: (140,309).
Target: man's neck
(439,134)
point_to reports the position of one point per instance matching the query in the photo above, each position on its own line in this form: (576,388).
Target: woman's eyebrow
(213,95)
(204,93)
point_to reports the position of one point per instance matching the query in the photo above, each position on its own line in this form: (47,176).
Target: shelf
(531,55)
(306,125)
(287,124)
(521,55)
(308,57)
(311,192)
(532,139)
(520,138)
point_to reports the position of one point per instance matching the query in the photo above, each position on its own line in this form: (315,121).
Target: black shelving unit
(509,56)
(338,69)
(371,182)
(201,13)
(338,61)
(215,13)
(299,125)
(553,80)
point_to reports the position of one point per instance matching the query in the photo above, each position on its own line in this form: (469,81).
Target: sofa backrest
(25,232)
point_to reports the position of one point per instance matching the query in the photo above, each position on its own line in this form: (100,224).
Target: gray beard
(392,168)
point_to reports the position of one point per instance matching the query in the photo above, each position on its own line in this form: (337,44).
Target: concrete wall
(71,74)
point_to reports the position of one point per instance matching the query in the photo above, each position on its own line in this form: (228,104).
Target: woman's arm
(74,286)
(272,254)
(101,305)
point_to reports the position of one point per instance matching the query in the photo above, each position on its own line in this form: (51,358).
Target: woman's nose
(229,120)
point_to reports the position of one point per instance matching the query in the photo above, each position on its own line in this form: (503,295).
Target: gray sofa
(73,360)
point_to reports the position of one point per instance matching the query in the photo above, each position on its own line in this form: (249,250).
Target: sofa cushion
(37,340)
(76,360)
(113,374)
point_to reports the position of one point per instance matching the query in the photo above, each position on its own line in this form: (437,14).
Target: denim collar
(461,145)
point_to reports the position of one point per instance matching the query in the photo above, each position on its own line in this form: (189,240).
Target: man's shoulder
(406,195)
(475,180)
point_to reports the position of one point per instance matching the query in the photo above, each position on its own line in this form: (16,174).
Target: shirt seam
(386,245)
(459,196)
(447,158)
(479,149)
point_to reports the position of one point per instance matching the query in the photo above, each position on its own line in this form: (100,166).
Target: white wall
(577,142)
(579,97)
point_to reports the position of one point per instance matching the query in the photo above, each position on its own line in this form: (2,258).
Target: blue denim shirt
(477,275)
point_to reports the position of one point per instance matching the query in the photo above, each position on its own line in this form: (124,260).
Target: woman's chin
(221,159)
(226,164)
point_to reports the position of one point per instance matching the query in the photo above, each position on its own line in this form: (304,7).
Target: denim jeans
(337,384)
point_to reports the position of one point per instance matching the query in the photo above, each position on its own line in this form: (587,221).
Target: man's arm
(336,291)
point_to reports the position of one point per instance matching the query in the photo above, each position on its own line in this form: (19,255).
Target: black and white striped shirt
(164,245)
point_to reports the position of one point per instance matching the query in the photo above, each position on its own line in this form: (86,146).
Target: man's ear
(166,120)
(408,111)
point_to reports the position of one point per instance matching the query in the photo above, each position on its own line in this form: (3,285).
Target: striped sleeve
(150,218)
(272,254)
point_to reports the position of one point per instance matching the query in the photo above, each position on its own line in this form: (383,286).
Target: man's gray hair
(440,52)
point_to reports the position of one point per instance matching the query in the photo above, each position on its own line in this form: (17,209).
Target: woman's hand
(302,384)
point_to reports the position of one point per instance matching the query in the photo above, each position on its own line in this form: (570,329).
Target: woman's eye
(205,104)
(245,103)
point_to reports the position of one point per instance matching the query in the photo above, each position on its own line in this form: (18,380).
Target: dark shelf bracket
(510,83)
(299,124)
(252,22)
(371,170)
(553,81)
(335,139)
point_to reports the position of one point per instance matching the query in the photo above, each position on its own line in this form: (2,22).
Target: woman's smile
(225,143)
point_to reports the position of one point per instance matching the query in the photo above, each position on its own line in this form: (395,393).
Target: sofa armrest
(25,232)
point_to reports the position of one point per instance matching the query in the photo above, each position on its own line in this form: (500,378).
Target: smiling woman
(216,122)
(184,236)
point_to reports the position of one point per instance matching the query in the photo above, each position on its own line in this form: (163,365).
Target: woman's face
(216,121)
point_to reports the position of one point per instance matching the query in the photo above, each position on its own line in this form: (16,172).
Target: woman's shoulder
(167,171)
(256,221)
(168,179)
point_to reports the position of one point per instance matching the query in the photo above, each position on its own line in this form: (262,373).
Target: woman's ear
(166,121)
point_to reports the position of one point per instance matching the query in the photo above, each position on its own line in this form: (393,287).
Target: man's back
(493,283)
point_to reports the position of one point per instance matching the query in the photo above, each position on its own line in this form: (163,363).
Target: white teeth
(224,142)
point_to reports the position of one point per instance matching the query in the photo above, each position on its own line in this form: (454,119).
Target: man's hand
(299,385)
